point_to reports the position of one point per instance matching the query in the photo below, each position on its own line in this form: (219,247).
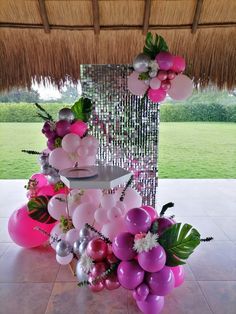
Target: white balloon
(111,229)
(100,216)
(83,214)
(64,260)
(56,233)
(72,235)
(114,213)
(108,201)
(132,198)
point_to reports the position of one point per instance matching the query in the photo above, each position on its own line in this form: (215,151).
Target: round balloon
(83,214)
(132,198)
(178,64)
(151,211)
(178,272)
(137,220)
(136,86)
(141,63)
(153,304)
(57,206)
(79,127)
(113,228)
(62,127)
(181,87)
(130,274)
(122,246)
(164,60)
(156,95)
(141,292)
(70,142)
(153,260)
(162,282)
(59,159)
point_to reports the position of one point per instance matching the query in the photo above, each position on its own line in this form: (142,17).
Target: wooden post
(96,17)
(44,16)
(146,16)
(197,15)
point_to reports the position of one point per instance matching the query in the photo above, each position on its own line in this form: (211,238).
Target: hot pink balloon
(59,159)
(83,214)
(137,220)
(155,83)
(153,304)
(79,127)
(178,64)
(22,231)
(181,87)
(165,60)
(136,86)
(70,142)
(164,223)
(47,190)
(153,260)
(130,274)
(162,282)
(151,211)
(123,246)
(156,95)
(178,273)
(165,85)
(40,178)
(98,269)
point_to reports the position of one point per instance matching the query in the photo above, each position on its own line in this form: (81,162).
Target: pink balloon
(136,86)
(96,287)
(153,260)
(151,211)
(70,142)
(178,273)
(22,232)
(40,178)
(59,159)
(83,214)
(64,260)
(111,229)
(153,304)
(155,83)
(97,249)
(79,127)
(123,245)
(114,213)
(132,198)
(62,127)
(141,292)
(165,60)
(161,282)
(90,140)
(130,274)
(178,64)
(100,216)
(98,269)
(181,87)
(156,95)
(47,190)
(57,206)
(162,75)
(72,235)
(165,85)
(112,282)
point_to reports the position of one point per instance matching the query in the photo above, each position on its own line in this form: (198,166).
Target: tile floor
(31,282)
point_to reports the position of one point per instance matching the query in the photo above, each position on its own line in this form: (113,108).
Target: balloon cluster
(143,260)
(157,73)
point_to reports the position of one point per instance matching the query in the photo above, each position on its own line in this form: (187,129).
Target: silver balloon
(153,73)
(43,159)
(76,246)
(66,114)
(84,233)
(46,169)
(83,246)
(141,63)
(80,274)
(53,179)
(63,248)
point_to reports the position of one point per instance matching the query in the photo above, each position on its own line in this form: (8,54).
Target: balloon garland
(157,73)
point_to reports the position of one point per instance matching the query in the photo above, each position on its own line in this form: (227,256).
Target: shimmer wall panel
(126,126)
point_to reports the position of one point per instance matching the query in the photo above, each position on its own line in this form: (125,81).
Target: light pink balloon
(83,214)
(181,87)
(56,207)
(86,161)
(122,207)
(94,196)
(108,201)
(136,86)
(100,216)
(64,260)
(22,230)
(72,235)
(111,229)
(59,159)
(114,213)
(155,83)
(132,198)
(70,142)
(90,140)
(178,64)
(156,95)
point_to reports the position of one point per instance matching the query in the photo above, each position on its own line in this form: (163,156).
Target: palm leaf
(38,209)
(179,243)
(82,109)
(154,45)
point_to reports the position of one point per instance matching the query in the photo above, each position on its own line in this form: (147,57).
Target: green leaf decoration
(143,76)
(179,243)
(38,209)
(82,109)
(154,45)
(154,227)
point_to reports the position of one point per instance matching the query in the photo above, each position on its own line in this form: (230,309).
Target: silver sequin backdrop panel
(126,126)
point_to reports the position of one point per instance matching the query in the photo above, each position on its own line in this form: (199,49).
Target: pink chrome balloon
(151,211)
(152,305)
(162,282)
(112,282)
(162,75)
(153,260)
(123,246)
(171,75)
(97,249)
(22,231)
(165,85)
(96,287)
(178,272)
(79,127)
(98,269)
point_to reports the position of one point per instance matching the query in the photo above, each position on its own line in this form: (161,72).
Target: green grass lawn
(187,150)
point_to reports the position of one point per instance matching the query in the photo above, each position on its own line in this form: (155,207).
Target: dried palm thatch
(27,51)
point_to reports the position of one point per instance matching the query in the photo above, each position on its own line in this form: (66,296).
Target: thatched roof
(51,38)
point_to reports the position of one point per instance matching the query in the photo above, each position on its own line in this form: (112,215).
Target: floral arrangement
(157,73)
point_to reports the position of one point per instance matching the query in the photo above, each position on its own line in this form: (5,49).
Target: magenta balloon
(62,127)
(22,232)
(165,60)
(162,282)
(164,223)
(136,86)
(181,87)
(40,178)
(130,274)
(178,64)
(178,273)
(137,220)
(152,305)
(141,292)
(122,246)
(156,95)
(151,211)
(153,260)
(79,127)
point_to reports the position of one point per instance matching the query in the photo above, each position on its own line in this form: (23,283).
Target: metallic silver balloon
(153,73)
(53,179)
(63,248)
(66,114)
(46,169)
(81,276)
(43,159)
(84,233)
(83,246)
(76,246)
(141,63)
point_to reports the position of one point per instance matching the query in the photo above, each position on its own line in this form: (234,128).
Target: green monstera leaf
(38,209)
(82,109)
(179,243)
(154,45)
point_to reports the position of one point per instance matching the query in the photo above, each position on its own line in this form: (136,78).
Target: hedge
(22,112)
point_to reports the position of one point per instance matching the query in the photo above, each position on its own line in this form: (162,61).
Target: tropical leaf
(38,209)
(82,109)
(154,45)
(179,243)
